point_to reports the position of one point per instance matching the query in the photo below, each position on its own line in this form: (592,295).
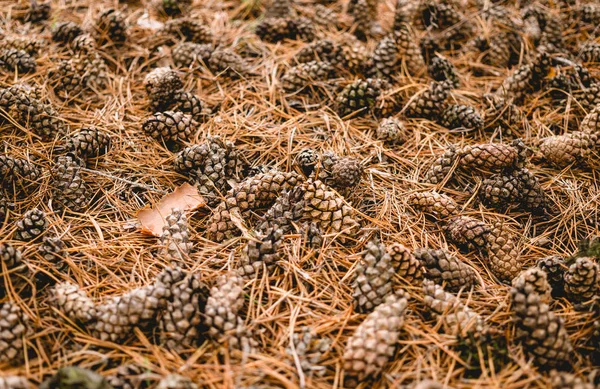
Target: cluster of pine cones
(461,128)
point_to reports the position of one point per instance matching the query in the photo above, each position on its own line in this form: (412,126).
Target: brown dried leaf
(185,197)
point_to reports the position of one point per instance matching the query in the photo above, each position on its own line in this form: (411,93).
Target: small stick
(134,184)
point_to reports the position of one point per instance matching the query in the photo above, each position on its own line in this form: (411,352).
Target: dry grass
(108,257)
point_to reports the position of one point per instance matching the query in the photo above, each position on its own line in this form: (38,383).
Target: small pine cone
(92,69)
(273,29)
(312,236)
(564,380)
(588,98)
(591,122)
(175,240)
(66,81)
(14,326)
(89,142)
(441,167)
(161,85)
(69,191)
(111,26)
(65,32)
(176,381)
(32,225)
(589,52)
(322,50)
(53,251)
(14,382)
(5,208)
(117,317)
(307,159)
(430,103)
(582,280)
(362,20)
(441,69)
(361,96)
(384,63)
(535,280)
(456,318)
(554,266)
(74,303)
(439,205)
(182,321)
(175,7)
(468,232)
(18,173)
(191,55)
(492,157)
(374,278)
(17,270)
(543,334)
(572,148)
(533,196)
(443,267)
(501,191)
(503,256)
(391,130)
(30,45)
(210,166)
(169,126)
(83,43)
(129,376)
(279,9)
(409,49)
(228,63)
(19,60)
(250,196)
(305,74)
(192,105)
(527,78)
(354,51)
(406,265)
(189,29)
(326,208)
(340,173)
(287,210)
(374,342)
(461,117)
(264,250)
(323,16)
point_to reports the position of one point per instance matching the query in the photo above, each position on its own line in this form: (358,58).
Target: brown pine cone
(29,44)
(327,209)
(430,103)
(17,271)
(169,127)
(19,60)
(572,148)
(23,105)
(501,192)
(18,174)
(175,7)
(161,84)
(492,157)
(504,258)
(192,105)
(274,29)
(74,303)
(582,280)
(533,196)
(467,232)
(554,266)
(250,196)
(385,61)
(14,327)
(228,63)
(542,334)
(405,264)
(31,226)
(191,55)
(5,208)
(82,44)
(279,9)
(374,342)
(374,278)
(456,318)
(392,131)
(408,49)
(65,32)
(53,251)
(188,29)
(306,74)
(589,52)
(535,280)
(441,167)
(340,173)
(14,382)
(444,268)
(89,142)
(182,320)
(324,50)
(312,236)
(591,122)
(111,26)
(69,191)
(362,19)
(588,98)
(433,203)
(261,251)
(287,210)
(307,159)
(359,97)
(441,69)
(309,349)
(175,240)
(461,117)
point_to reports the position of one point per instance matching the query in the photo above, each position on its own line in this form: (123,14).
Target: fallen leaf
(185,197)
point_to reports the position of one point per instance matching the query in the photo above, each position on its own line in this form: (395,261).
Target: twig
(134,184)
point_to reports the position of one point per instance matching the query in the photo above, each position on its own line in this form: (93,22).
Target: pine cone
(65,32)
(16,267)
(456,318)
(14,382)
(14,326)
(322,50)
(555,268)
(227,63)
(89,142)
(221,314)
(533,196)
(264,250)
(19,60)
(405,264)
(32,225)
(182,321)
(176,381)
(129,376)
(385,61)
(287,209)
(564,380)
(325,17)
(591,122)
(501,191)
(111,26)
(25,108)
(307,159)
(491,157)
(327,209)
(441,69)
(279,9)
(430,103)
(169,127)
(253,194)
(30,45)
(535,280)
(210,166)
(441,167)
(504,258)
(374,342)
(52,250)
(443,267)
(542,333)
(304,75)
(192,105)
(361,96)
(74,303)
(526,79)
(18,173)
(589,52)
(374,278)
(572,148)
(191,55)
(408,49)
(66,81)
(175,240)
(189,29)
(362,19)
(588,98)
(391,130)
(462,117)
(161,86)
(69,191)
(175,7)
(309,351)
(340,173)
(5,208)
(437,204)
(582,280)
(468,232)
(274,29)
(83,44)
